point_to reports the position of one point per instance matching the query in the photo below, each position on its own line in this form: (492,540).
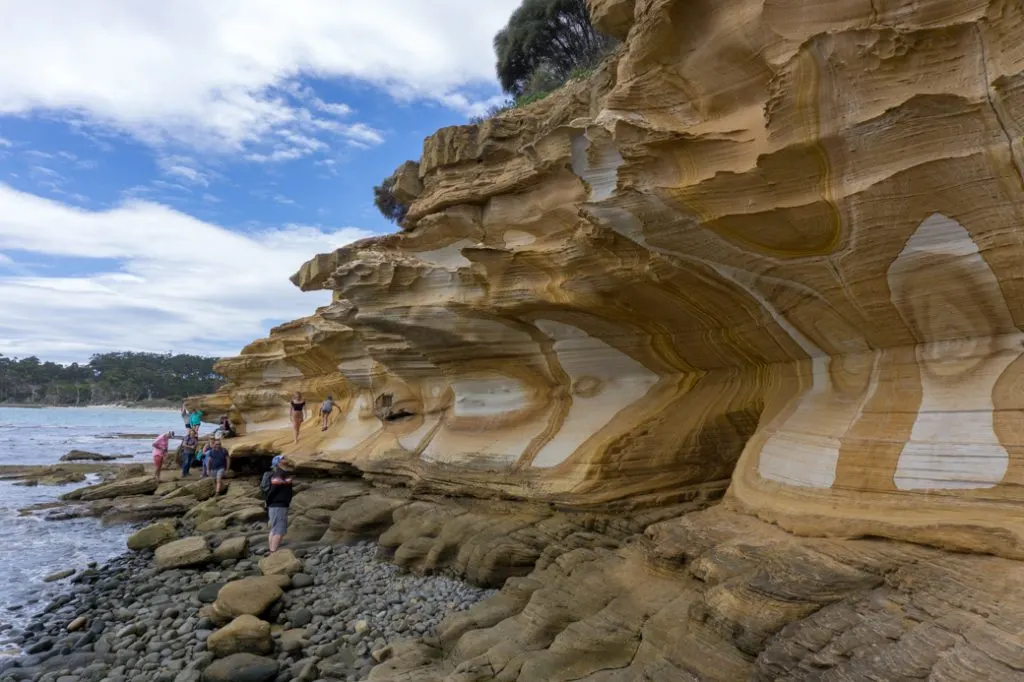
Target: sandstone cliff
(773,245)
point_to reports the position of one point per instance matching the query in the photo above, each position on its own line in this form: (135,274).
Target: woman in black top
(298,413)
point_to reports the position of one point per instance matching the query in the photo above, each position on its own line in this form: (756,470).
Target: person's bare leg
(296,424)
(275,543)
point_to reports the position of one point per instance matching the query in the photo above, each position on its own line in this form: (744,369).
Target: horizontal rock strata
(771,245)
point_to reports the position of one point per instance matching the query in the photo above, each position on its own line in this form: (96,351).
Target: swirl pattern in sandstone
(773,240)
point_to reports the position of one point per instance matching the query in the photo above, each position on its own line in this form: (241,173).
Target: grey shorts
(219,473)
(278,520)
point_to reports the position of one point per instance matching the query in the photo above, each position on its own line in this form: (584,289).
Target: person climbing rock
(298,413)
(326,407)
(279,498)
(194,420)
(160,446)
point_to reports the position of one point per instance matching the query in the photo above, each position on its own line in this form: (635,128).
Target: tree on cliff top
(549,37)
(386,202)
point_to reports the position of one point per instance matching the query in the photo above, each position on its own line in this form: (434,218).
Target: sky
(166,166)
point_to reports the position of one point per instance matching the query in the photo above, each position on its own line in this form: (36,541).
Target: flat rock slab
(242,668)
(191,551)
(140,485)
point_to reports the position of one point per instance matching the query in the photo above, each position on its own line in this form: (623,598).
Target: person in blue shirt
(194,420)
(218,461)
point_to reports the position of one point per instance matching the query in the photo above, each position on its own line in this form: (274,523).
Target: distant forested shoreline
(147,379)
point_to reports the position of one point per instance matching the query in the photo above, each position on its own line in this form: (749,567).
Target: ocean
(33,548)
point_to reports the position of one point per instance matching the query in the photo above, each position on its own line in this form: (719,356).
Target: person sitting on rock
(160,446)
(218,461)
(326,407)
(189,445)
(225,428)
(279,498)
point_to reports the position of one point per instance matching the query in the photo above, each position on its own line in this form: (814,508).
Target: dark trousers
(186,461)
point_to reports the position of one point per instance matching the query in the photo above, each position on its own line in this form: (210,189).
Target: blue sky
(164,167)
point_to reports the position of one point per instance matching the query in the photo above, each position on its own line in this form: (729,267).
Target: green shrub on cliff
(386,202)
(544,43)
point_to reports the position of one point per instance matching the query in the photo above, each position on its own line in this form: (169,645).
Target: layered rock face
(771,244)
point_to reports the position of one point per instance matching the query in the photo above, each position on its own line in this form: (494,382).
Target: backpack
(265,484)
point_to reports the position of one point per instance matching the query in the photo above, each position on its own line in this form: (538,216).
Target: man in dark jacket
(279,498)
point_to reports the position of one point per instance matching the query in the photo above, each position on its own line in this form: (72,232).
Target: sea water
(32,548)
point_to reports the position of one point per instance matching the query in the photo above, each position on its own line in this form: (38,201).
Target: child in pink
(160,446)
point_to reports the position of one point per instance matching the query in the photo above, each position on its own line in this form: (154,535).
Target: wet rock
(59,575)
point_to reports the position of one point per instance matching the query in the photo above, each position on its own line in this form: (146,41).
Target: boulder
(153,535)
(140,485)
(248,596)
(245,634)
(281,562)
(242,668)
(192,551)
(362,518)
(232,549)
(202,490)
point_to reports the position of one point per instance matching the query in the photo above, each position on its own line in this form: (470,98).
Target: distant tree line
(107,378)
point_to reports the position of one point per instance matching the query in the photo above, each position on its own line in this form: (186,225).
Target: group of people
(276,486)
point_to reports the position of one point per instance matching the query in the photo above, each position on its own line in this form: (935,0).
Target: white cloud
(4,142)
(181,284)
(218,75)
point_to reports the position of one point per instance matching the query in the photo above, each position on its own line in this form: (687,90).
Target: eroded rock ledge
(773,244)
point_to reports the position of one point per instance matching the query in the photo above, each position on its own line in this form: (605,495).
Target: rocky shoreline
(130,620)
(377,582)
(154,613)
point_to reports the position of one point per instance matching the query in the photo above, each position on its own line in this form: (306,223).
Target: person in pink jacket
(160,446)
